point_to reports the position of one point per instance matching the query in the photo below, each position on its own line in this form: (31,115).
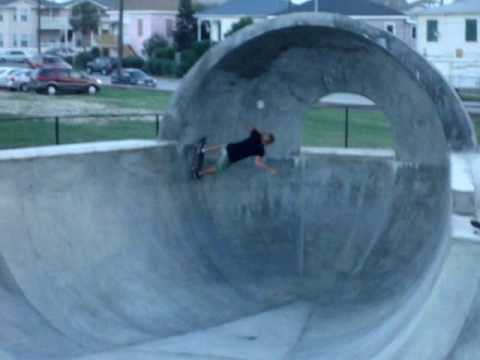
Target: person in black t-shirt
(253,146)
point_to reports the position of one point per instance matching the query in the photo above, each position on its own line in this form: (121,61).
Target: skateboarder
(253,146)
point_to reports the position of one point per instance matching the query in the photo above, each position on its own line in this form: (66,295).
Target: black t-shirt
(251,146)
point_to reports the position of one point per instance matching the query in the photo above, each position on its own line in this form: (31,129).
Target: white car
(5,76)
(13,56)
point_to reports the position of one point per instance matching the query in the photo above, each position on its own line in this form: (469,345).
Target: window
(140,27)
(471,30)
(390,27)
(15,16)
(24,15)
(432,30)
(24,40)
(414,32)
(1,17)
(76,75)
(1,41)
(14,40)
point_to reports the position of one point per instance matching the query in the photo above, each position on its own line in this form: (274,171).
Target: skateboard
(198,158)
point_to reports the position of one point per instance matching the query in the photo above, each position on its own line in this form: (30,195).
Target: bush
(80,61)
(162,62)
(240,24)
(164,53)
(201,47)
(95,52)
(190,57)
(161,67)
(154,43)
(134,62)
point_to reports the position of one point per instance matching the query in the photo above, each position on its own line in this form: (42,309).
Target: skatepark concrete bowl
(110,251)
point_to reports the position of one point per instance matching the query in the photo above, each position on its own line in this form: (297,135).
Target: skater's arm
(260,162)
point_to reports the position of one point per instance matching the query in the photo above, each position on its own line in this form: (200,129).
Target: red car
(54,81)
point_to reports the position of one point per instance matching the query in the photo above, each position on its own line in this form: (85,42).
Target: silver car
(5,74)
(20,80)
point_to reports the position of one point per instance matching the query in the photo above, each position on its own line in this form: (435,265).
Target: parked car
(133,77)
(63,52)
(103,65)
(43,61)
(20,80)
(5,74)
(53,81)
(13,56)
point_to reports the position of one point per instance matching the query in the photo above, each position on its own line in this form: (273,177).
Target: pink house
(142,19)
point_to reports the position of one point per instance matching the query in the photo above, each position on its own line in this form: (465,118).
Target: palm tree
(85,20)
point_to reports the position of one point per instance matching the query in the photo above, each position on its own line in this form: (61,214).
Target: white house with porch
(448,36)
(216,22)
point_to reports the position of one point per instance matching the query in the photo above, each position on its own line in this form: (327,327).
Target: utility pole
(316,5)
(120,36)
(39,26)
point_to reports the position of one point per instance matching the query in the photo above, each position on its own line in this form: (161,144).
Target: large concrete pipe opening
(121,255)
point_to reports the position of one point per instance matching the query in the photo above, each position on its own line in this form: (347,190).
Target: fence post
(347,115)
(157,124)
(57,130)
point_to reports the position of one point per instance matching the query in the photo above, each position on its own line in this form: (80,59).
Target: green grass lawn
(147,100)
(27,133)
(326,127)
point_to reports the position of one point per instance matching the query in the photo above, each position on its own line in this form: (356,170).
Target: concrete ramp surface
(110,251)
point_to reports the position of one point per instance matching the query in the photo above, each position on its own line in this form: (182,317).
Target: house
(215,22)
(142,19)
(377,15)
(219,20)
(19,18)
(448,36)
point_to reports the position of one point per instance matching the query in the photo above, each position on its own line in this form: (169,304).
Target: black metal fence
(324,126)
(48,130)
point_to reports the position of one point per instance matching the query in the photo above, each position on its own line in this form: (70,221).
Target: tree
(394,4)
(85,20)
(240,24)
(186,26)
(155,42)
(403,5)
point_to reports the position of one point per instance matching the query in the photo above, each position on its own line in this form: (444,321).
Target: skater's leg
(212,148)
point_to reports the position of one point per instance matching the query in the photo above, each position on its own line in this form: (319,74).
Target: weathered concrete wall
(119,247)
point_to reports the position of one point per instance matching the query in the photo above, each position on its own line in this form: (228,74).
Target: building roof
(346,7)
(248,8)
(458,7)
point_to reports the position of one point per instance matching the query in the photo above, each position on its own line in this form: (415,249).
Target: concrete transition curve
(110,251)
